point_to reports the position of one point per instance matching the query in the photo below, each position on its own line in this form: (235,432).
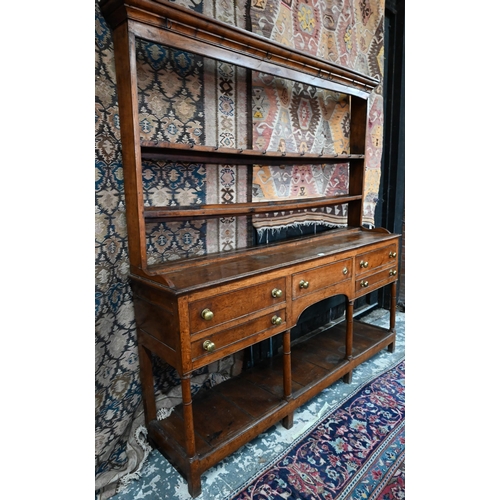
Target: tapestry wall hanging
(292,117)
(177,91)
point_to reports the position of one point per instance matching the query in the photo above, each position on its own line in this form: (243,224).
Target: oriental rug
(356,451)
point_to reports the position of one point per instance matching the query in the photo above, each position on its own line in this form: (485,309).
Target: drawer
(222,343)
(315,279)
(376,280)
(216,310)
(370,261)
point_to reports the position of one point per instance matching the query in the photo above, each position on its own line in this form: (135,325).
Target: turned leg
(348,337)
(392,321)
(193,476)
(287,421)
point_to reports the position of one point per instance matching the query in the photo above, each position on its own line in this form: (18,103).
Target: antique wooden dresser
(194,311)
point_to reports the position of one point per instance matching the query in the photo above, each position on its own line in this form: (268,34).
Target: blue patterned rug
(233,475)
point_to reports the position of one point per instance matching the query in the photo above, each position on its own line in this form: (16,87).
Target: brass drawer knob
(393,272)
(209,346)
(345,271)
(363,263)
(392,255)
(276,293)
(303,284)
(207,314)
(364,284)
(276,320)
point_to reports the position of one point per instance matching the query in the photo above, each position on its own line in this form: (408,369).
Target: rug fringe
(273,230)
(141,438)
(163,413)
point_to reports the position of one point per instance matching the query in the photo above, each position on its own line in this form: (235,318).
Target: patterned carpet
(159,480)
(356,451)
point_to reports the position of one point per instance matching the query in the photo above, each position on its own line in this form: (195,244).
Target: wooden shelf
(158,214)
(254,400)
(167,151)
(200,272)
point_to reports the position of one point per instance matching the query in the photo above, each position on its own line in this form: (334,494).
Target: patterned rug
(356,452)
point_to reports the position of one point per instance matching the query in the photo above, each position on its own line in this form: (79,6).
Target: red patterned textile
(293,117)
(356,452)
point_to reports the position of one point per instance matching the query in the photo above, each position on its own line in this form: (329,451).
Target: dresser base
(234,412)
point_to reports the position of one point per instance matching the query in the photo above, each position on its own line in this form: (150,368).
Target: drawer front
(312,280)
(217,345)
(219,309)
(376,280)
(370,261)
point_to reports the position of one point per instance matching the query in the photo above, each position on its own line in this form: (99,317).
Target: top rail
(164,22)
